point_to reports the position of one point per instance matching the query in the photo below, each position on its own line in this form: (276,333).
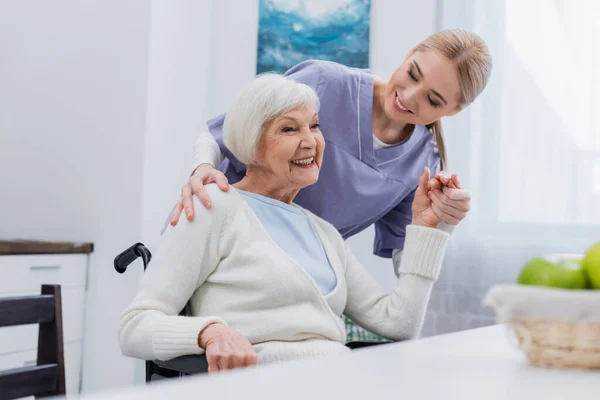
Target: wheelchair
(189,364)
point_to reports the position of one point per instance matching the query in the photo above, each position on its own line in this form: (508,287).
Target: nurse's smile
(400,106)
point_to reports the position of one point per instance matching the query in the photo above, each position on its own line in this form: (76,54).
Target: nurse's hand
(451,203)
(226,348)
(203,175)
(423,213)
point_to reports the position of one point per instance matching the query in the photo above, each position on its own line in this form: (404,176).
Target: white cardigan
(232,272)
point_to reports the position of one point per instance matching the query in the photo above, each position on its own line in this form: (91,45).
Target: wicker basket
(554,327)
(559,344)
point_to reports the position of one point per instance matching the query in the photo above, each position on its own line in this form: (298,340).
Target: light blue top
(291,230)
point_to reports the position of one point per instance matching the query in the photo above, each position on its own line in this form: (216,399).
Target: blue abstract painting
(291,31)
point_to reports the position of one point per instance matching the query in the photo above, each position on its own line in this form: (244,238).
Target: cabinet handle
(43,267)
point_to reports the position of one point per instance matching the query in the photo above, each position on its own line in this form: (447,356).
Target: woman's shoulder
(223,204)
(206,222)
(222,201)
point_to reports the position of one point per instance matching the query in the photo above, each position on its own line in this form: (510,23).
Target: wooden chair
(47,378)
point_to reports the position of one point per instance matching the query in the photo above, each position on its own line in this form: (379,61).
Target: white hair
(267,97)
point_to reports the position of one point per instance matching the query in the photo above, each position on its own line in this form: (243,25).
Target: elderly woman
(267,280)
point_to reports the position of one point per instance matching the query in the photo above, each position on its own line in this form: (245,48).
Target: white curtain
(528,149)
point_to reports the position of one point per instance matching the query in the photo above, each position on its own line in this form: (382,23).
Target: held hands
(226,348)
(440,199)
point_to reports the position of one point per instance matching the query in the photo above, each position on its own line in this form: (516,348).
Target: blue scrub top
(358,185)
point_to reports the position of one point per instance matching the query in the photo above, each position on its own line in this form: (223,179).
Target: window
(550,136)
(534,134)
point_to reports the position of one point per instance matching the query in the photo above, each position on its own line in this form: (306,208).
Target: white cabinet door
(27,273)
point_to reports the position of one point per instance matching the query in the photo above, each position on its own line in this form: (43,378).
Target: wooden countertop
(15,247)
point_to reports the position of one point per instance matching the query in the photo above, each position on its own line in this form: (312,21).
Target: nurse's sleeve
(207,151)
(215,128)
(390,230)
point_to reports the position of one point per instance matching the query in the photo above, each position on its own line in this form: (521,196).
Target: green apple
(591,265)
(565,274)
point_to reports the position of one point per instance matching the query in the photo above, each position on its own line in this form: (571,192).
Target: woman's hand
(450,202)
(422,205)
(226,348)
(203,175)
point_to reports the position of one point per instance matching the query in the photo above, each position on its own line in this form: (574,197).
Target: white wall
(73,81)
(178,76)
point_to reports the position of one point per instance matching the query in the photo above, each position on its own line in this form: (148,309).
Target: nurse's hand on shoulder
(450,202)
(203,175)
(226,348)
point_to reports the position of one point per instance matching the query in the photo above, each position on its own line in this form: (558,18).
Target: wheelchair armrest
(198,364)
(364,343)
(191,364)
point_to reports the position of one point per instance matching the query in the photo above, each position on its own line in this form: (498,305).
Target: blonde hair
(473,61)
(265,98)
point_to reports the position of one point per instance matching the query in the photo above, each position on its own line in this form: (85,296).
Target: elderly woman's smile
(273,128)
(305,162)
(289,154)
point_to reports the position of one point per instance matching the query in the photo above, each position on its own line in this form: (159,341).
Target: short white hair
(267,97)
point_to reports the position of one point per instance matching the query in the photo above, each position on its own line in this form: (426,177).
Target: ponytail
(473,62)
(436,129)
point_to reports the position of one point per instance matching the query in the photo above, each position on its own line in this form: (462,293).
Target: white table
(476,364)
